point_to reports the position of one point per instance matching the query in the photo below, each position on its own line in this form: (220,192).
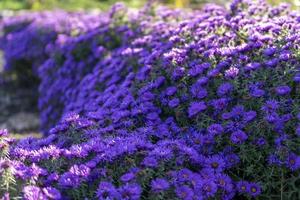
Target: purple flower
(150,162)
(52,193)
(171,90)
(257,92)
(293,162)
(81,170)
(5,196)
(174,103)
(224,89)
(254,189)
(298,131)
(3,132)
(215,129)
(297,78)
(209,188)
(298,116)
(106,190)
(159,185)
(283,90)
(270,106)
(184,175)
(252,66)
(249,116)
(198,91)
(215,162)
(269,51)
(224,182)
(232,72)
(69,180)
(32,193)
(130,191)
(231,160)
(242,186)
(184,192)
(238,137)
(219,104)
(70,117)
(260,142)
(127,177)
(195,108)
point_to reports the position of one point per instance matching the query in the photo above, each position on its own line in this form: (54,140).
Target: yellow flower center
(292,161)
(214,165)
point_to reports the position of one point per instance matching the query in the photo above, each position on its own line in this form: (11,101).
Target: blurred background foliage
(105,4)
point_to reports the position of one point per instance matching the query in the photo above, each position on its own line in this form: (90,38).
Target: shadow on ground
(18,105)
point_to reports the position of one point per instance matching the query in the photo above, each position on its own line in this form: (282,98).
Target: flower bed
(174,104)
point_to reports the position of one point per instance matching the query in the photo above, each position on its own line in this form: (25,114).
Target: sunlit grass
(105,4)
(65,4)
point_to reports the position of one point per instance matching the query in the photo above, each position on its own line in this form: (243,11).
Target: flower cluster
(168,104)
(27,38)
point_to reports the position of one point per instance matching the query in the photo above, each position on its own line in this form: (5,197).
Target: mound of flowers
(27,37)
(167,104)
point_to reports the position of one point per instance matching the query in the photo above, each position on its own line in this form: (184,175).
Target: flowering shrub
(26,38)
(174,104)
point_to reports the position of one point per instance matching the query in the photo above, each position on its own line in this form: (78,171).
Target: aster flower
(107,191)
(81,170)
(260,142)
(184,175)
(215,129)
(297,78)
(270,106)
(232,72)
(254,189)
(252,66)
(3,132)
(198,91)
(215,162)
(52,193)
(159,185)
(274,160)
(220,104)
(283,90)
(298,116)
(130,191)
(223,181)
(293,162)
(127,177)
(272,63)
(150,161)
(298,130)
(269,51)
(231,160)
(209,188)
(196,107)
(256,92)
(224,89)
(6,196)
(242,186)
(184,192)
(249,116)
(70,117)
(32,193)
(174,103)
(238,137)
(69,180)
(171,90)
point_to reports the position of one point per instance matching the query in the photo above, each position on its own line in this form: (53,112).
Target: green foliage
(63,4)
